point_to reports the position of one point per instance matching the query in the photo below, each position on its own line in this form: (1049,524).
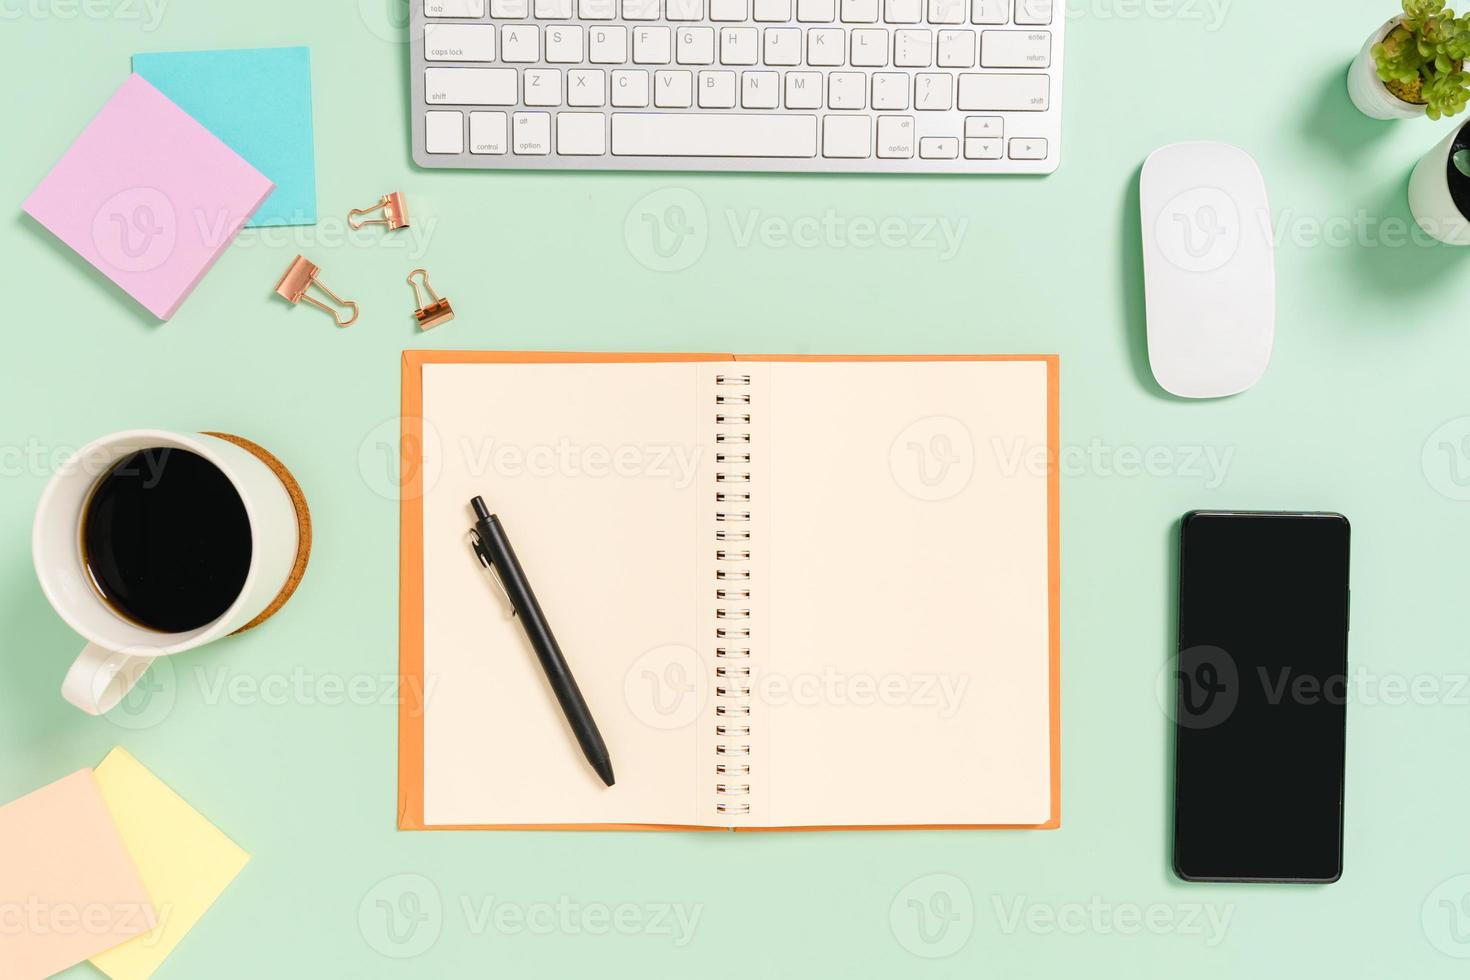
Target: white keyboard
(870,86)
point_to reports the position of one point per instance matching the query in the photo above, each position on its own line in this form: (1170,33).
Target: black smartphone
(1261,708)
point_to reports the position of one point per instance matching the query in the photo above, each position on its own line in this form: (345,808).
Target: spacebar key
(712,134)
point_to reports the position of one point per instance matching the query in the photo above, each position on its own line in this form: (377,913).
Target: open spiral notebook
(797,592)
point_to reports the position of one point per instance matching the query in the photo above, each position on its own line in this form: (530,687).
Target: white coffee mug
(118,652)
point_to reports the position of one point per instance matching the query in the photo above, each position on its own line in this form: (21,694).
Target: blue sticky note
(258,102)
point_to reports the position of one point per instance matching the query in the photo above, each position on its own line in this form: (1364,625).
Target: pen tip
(604,769)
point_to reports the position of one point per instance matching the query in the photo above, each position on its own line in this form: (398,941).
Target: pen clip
(478,547)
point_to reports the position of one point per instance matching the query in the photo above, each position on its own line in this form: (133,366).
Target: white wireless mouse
(1209,266)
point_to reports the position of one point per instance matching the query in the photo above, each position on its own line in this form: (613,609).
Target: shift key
(470,86)
(1004,93)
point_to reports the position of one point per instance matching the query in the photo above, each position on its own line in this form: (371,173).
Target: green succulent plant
(1422,60)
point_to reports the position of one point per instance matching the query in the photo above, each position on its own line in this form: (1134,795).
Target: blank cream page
(906,648)
(594,471)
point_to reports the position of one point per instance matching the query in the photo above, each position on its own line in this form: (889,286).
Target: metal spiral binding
(732,670)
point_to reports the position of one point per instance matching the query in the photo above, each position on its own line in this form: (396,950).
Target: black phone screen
(1260,712)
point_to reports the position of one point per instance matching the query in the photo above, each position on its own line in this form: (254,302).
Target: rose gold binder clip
(393,207)
(434,312)
(301,276)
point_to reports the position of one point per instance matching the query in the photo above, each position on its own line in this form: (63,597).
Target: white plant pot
(1429,195)
(1367,90)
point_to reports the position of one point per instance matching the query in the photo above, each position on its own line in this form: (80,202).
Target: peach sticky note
(68,889)
(185,861)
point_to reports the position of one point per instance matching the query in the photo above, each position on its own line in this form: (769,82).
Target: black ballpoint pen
(493,549)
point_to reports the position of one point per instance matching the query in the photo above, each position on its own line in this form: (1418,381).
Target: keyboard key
(459,42)
(554,9)
(651,46)
(640,10)
(470,86)
(933,91)
(716,90)
(1005,93)
(510,9)
(988,126)
(824,46)
(990,11)
(487,132)
(890,90)
(845,137)
(542,86)
(1033,12)
(695,46)
(444,132)
(982,148)
(956,49)
(673,89)
(684,10)
(895,137)
(597,9)
(630,88)
(729,10)
(564,44)
(607,45)
(912,48)
(586,87)
(903,11)
(454,8)
(869,47)
(531,132)
(1015,49)
(847,90)
(783,46)
(520,43)
(679,134)
(1028,149)
(947,11)
(581,134)
(772,11)
(738,46)
(859,12)
(760,89)
(939,148)
(803,90)
(816,11)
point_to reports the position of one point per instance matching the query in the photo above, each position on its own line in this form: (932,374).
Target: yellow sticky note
(183,859)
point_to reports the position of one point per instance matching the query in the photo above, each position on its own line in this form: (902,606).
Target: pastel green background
(1365,410)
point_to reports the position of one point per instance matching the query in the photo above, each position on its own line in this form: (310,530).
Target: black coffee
(166,540)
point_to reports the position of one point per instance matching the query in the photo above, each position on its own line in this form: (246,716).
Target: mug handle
(101,678)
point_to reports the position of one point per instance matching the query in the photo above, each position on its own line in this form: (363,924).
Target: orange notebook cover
(798,592)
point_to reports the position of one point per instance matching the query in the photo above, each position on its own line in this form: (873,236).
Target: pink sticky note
(68,889)
(148,196)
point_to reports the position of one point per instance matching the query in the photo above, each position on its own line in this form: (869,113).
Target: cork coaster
(303,524)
